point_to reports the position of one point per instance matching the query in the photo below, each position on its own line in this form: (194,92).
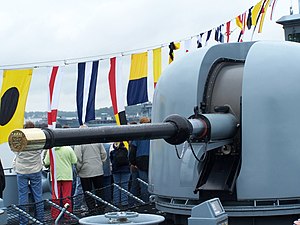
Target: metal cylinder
(23,139)
(175,130)
(19,140)
(222,126)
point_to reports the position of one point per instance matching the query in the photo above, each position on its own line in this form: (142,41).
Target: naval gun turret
(235,130)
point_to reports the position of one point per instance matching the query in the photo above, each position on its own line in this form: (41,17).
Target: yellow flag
(255,12)
(265,9)
(139,66)
(239,21)
(13,95)
(137,89)
(177,45)
(156,64)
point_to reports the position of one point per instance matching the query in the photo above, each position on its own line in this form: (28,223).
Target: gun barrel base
(27,139)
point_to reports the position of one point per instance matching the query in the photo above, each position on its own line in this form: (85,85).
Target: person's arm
(111,155)
(132,153)
(73,156)
(78,153)
(102,152)
(47,159)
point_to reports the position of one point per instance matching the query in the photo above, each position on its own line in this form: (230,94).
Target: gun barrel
(76,136)
(175,130)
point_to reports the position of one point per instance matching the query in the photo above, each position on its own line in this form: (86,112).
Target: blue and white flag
(86,90)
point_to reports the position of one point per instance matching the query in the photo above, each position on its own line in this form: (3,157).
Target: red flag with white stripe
(54,91)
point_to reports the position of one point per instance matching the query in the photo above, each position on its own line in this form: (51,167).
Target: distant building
(105,116)
(146,109)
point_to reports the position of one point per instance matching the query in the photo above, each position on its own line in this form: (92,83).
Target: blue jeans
(134,189)
(78,194)
(143,175)
(74,182)
(35,180)
(121,179)
(107,191)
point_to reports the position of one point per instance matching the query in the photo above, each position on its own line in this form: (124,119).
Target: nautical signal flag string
(137,85)
(256,13)
(138,77)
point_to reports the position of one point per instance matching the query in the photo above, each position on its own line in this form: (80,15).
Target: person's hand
(297,222)
(133,168)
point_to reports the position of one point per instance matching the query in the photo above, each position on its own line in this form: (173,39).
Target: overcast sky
(38,31)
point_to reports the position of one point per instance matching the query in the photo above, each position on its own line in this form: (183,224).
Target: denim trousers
(78,195)
(107,191)
(143,175)
(35,182)
(120,197)
(134,188)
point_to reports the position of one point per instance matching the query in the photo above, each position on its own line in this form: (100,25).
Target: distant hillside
(135,111)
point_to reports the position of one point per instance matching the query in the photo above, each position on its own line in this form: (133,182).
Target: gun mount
(252,169)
